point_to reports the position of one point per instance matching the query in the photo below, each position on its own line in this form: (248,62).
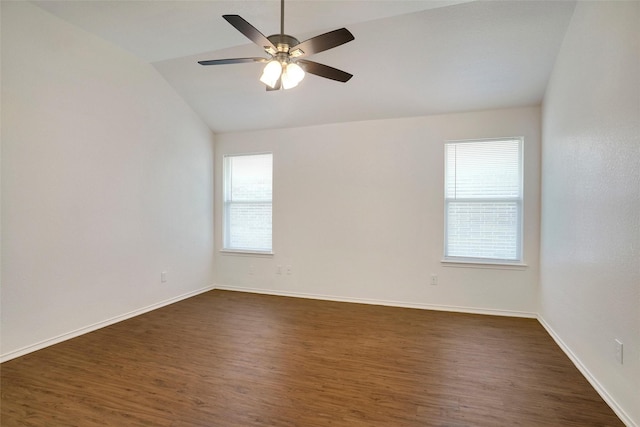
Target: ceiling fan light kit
(285,67)
(292,74)
(271,73)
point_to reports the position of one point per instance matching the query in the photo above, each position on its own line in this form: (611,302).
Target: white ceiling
(409,58)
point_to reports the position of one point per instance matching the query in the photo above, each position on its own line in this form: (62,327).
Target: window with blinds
(248,186)
(483,200)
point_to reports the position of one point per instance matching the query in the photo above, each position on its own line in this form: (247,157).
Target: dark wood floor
(236,359)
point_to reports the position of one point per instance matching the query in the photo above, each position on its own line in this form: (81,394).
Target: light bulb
(292,75)
(271,73)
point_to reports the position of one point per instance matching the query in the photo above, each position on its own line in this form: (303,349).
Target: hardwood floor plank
(236,359)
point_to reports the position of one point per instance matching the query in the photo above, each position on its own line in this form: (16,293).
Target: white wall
(358,213)
(107,180)
(590,249)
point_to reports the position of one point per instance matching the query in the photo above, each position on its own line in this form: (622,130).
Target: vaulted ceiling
(409,58)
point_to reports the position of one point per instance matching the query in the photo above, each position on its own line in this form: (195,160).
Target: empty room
(320,213)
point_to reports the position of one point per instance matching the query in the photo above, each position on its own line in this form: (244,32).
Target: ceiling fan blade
(248,30)
(322,42)
(231,61)
(324,71)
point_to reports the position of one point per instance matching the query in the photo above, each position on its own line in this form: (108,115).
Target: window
(247,202)
(483,200)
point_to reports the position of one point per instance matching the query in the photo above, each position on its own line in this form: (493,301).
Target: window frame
(226,205)
(462,261)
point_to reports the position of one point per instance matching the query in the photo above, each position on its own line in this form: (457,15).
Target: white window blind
(248,202)
(483,200)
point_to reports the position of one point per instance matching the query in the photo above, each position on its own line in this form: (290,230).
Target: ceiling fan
(286,67)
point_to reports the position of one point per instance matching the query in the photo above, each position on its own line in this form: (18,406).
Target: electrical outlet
(434,279)
(278,269)
(289,269)
(619,347)
(163,276)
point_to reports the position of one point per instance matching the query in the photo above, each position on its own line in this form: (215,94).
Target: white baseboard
(457,309)
(587,374)
(66,336)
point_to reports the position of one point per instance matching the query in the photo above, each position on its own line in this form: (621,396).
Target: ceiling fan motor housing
(283,44)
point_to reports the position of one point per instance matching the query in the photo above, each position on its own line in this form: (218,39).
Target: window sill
(495,265)
(238,252)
